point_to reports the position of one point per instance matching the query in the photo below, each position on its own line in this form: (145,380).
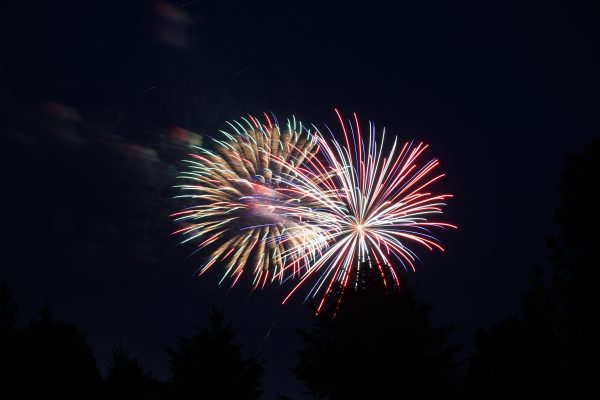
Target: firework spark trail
(372,206)
(247,208)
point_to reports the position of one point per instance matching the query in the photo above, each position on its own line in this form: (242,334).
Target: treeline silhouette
(379,344)
(51,358)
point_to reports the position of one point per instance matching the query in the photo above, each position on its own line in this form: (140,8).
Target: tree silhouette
(8,310)
(577,271)
(53,359)
(379,344)
(549,350)
(515,356)
(8,318)
(126,378)
(210,364)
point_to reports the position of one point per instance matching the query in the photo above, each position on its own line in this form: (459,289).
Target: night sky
(99,100)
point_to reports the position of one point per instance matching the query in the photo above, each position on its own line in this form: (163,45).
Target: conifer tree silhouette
(379,343)
(53,359)
(549,349)
(210,364)
(126,378)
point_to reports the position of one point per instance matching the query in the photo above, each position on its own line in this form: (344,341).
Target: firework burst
(246,209)
(375,205)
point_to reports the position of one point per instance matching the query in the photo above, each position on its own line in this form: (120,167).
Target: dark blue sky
(91,94)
